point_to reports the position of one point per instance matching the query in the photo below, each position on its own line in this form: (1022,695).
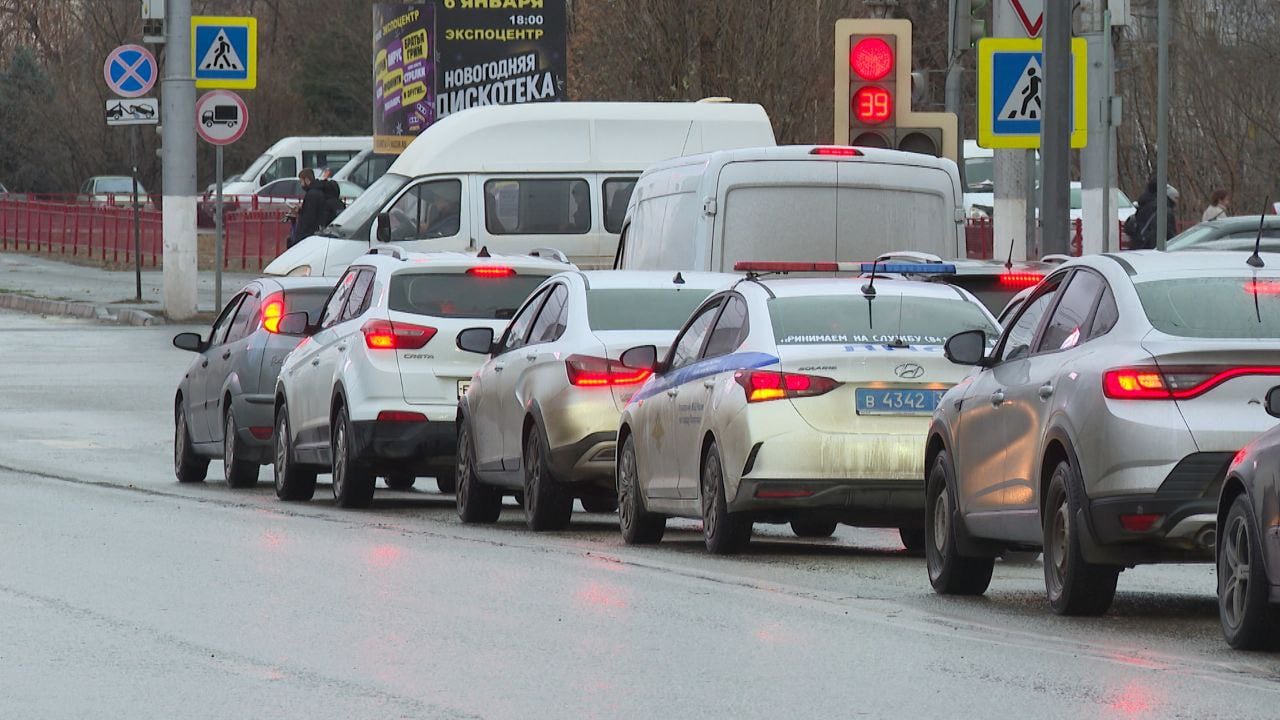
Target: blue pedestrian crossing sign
(224,52)
(1011,92)
(130,71)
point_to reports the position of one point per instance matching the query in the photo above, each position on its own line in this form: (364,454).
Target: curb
(87,311)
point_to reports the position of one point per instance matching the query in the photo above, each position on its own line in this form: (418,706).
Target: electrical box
(153,9)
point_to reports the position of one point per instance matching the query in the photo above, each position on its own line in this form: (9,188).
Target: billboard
(476,52)
(404,72)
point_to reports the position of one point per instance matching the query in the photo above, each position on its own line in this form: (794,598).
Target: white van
(290,155)
(799,202)
(515,178)
(365,169)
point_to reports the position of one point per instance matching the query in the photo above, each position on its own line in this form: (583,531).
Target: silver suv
(1102,423)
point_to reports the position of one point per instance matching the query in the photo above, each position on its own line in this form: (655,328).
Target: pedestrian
(333,205)
(312,213)
(1141,225)
(1218,202)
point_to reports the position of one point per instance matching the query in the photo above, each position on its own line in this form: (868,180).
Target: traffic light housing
(979,11)
(873,92)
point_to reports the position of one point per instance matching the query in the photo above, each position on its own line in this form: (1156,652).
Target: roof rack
(394,251)
(551,253)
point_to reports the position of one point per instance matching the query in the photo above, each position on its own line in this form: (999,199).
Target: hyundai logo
(908,371)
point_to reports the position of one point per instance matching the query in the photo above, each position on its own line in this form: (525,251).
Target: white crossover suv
(373,389)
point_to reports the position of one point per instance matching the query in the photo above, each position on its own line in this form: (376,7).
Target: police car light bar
(886,268)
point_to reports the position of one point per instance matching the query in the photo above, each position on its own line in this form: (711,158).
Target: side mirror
(967,348)
(476,340)
(644,357)
(194,343)
(294,324)
(1273,402)
(384,227)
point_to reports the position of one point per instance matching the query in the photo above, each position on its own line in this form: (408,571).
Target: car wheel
(293,481)
(950,573)
(400,481)
(446,479)
(1248,620)
(638,526)
(546,505)
(238,473)
(596,504)
(813,527)
(1074,585)
(725,533)
(353,481)
(912,539)
(477,502)
(187,465)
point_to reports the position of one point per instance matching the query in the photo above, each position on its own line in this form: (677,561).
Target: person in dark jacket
(333,204)
(1141,226)
(311,216)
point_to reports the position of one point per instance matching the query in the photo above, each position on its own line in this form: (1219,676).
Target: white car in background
(373,389)
(793,400)
(541,415)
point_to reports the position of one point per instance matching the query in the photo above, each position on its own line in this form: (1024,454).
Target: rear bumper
(1186,503)
(590,460)
(404,444)
(862,502)
(255,411)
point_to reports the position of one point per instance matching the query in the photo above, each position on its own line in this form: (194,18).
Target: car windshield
(648,309)
(1241,306)
(978,174)
(363,209)
(255,167)
(115,185)
(893,319)
(458,295)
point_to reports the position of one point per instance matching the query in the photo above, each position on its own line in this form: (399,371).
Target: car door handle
(226,354)
(498,368)
(205,363)
(531,357)
(342,348)
(708,384)
(1046,391)
(997,398)
(673,392)
(316,361)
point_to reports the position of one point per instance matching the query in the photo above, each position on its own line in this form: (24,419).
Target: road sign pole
(1162,124)
(137,215)
(1055,140)
(218,230)
(179,166)
(1013,224)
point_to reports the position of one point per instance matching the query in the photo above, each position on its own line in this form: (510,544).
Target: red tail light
(1139,523)
(387,335)
(491,271)
(401,416)
(588,371)
(1022,280)
(764,385)
(272,310)
(836,151)
(1173,382)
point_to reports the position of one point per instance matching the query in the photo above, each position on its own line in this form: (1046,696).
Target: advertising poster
(404,74)
(500,52)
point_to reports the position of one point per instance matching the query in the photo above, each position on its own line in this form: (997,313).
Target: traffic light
(874,90)
(978,12)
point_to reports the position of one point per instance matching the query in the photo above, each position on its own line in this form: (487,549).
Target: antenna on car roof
(678,279)
(1008,263)
(1255,260)
(870,288)
(484,252)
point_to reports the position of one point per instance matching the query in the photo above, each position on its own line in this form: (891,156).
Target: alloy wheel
(1235,569)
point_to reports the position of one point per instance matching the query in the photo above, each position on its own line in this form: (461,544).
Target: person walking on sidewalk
(1218,202)
(311,216)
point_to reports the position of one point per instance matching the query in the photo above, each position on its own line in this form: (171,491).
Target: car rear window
(307,300)
(1213,307)
(990,290)
(459,295)
(632,309)
(892,319)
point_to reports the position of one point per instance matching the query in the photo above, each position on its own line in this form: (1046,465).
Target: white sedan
(793,400)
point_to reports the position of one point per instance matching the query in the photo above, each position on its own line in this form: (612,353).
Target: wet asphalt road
(125,594)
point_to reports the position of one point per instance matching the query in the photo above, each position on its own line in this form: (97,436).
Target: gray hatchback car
(224,404)
(1100,426)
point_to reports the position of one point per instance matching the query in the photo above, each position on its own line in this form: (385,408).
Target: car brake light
(272,311)
(836,151)
(388,335)
(491,271)
(1020,279)
(1173,382)
(764,385)
(589,371)
(401,416)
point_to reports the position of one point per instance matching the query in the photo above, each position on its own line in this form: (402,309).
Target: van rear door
(884,207)
(775,210)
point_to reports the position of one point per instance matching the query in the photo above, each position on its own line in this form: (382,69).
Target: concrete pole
(1055,130)
(960,13)
(1012,223)
(1162,124)
(178,136)
(1099,200)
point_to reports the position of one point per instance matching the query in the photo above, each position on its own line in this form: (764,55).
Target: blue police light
(909,268)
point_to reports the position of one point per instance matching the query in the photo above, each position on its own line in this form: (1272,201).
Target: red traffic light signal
(871,59)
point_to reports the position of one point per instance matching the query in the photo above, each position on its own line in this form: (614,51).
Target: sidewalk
(85,291)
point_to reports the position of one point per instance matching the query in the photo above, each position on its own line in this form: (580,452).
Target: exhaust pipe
(1206,538)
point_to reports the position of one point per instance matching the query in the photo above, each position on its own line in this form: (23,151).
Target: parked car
(1102,423)
(288,191)
(979,204)
(1239,232)
(1248,548)
(289,155)
(747,417)
(365,168)
(224,402)
(541,415)
(114,190)
(374,389)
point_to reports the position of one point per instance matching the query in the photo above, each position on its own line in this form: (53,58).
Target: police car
(800,400)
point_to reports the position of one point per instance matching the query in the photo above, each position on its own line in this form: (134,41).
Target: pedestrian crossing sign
(1011,92)
(224,52)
